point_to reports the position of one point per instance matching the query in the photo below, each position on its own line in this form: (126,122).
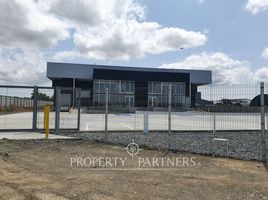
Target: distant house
(239,102)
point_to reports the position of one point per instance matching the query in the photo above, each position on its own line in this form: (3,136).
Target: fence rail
(231,107)
(22,107)
(13,101)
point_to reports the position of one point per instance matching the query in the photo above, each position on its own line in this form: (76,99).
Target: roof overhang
(85,71)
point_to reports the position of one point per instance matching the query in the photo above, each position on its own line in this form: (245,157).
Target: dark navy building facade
(129,86)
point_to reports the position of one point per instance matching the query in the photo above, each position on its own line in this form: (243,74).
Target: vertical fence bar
(169,109)
(190,95)
(35,99)
(145,122)
(57,110)
(214,124)
(79,111)
(213,134)
(106,112)
(169,116)
(263,138)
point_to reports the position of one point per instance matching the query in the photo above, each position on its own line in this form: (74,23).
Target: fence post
(169,109)
(214,124)
(79,109)
(35,99)
(263,138)
(213,134)
(57,110)
(169,114)
(106,112)
(145,122)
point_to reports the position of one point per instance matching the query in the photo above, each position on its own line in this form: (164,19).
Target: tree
(256,101)
(42,96)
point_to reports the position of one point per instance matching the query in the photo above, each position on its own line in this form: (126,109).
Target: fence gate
(16,108)
(22,108)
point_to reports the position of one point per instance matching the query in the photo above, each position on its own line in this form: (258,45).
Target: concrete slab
(29,136)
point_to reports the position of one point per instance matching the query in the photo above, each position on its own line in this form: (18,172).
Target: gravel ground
(41,170)
(240,145)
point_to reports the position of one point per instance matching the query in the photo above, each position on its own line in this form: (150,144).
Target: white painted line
(87,126)
(221,139)
(123,124)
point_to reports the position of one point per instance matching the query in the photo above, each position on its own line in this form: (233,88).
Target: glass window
(96,86)
(132,87)
(164,102)
(173,88)
(157,88)
(129,101)
(178,89)
(159,93)
(150,88)
(114,87)
(182,89)
(102,86)
(127,87)
(85,93)
(107,85)
(123,86)
(165,88)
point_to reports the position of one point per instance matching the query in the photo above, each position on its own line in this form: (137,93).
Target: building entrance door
(129,101)
(152,102)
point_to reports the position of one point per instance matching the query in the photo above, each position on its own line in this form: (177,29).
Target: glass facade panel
(165,88)
(157,88)
(117,92)
(150,87)
(121,93)
(158,94)
(127,87)
(85,93)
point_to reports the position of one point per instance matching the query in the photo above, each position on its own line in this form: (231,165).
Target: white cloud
(133,39)
(256,6)
(261,74)
(116,29)
(22,67)
(95,12)
(23,24)
(224,68)
(265,53)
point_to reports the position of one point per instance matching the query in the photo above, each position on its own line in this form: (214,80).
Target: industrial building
(128,86)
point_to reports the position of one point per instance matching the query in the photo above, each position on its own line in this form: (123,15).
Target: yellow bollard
(46,120)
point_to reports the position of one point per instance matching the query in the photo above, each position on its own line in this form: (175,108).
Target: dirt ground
(46,170)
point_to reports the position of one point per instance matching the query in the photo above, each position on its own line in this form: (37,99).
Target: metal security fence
(216,107)
(164,108)
(7,101)
(22,108)
(213,119)
(233,115)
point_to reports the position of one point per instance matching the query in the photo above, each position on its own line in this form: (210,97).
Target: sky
(229,37)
